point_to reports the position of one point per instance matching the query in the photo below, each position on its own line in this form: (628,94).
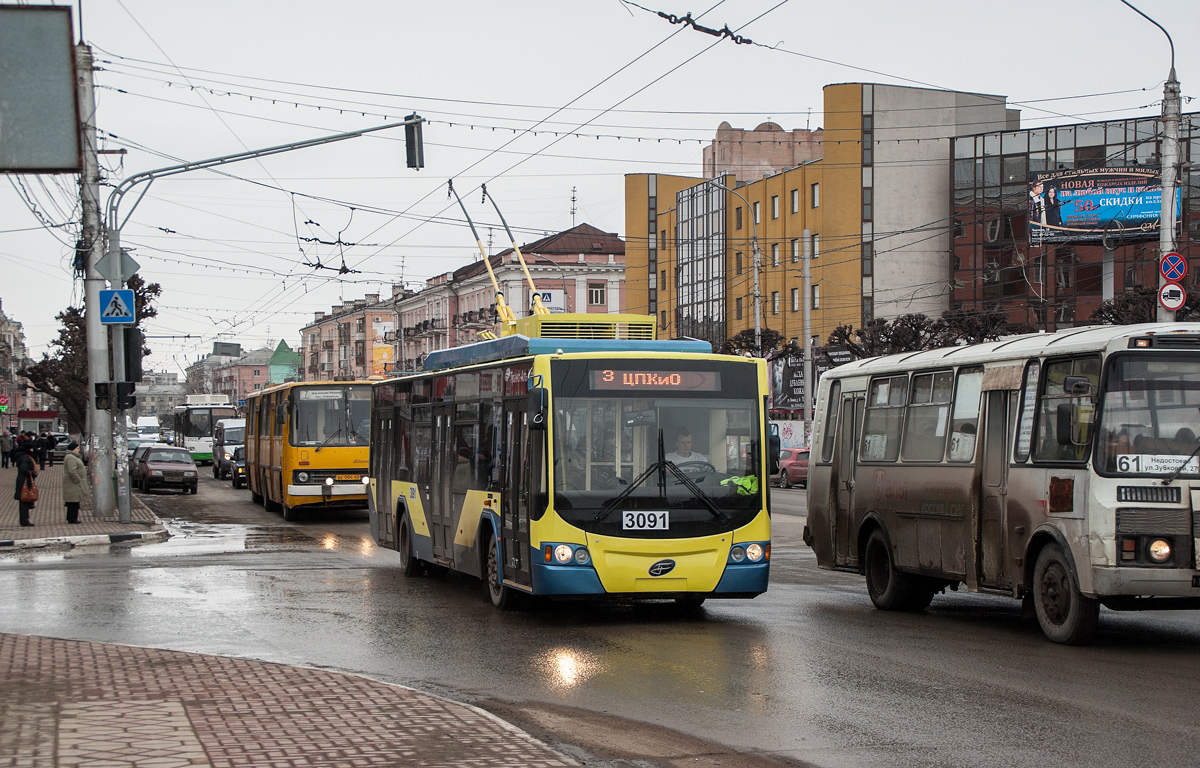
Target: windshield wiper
(1175,475)
(659,466)
(325,442)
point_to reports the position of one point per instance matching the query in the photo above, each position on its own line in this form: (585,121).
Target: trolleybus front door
(992,527)
(385,509)
(517,496)
(847,451)
(441,513)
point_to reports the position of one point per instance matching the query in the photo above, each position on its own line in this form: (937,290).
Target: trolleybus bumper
(739,580)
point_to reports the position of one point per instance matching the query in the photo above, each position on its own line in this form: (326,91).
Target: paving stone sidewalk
(85,705)
(49,518)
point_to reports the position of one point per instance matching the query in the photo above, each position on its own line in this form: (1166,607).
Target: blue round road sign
(1173,267)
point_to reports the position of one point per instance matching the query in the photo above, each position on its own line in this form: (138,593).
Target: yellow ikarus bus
(307,445)
(578,457)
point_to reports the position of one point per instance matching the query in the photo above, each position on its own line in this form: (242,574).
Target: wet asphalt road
(808,672)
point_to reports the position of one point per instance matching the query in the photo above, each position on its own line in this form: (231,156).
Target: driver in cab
(683,453)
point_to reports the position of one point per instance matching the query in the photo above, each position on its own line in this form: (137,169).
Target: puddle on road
(193,538)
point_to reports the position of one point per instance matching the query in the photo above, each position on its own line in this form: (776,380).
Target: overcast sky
(236,252)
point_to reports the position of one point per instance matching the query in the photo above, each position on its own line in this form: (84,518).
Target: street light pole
(1171,113)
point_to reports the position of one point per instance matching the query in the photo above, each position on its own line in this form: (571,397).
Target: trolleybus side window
(1028,409)
(928,416)
(1050,446)
(965,421)
(835,402)
(884,419)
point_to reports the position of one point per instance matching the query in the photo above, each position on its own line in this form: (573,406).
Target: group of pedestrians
(41,447)
(22,453)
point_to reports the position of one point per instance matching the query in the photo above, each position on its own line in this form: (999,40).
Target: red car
(793,467)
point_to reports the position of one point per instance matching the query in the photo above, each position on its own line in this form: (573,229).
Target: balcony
(327,344)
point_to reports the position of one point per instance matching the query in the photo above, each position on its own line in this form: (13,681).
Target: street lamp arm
(1164,31)
(114,198)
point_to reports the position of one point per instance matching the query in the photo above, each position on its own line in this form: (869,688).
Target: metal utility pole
(809,384)
(99,421)
(1171,110)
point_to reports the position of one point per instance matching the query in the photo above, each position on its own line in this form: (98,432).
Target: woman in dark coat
(26,472)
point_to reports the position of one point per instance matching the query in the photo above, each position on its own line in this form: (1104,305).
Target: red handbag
(29,493)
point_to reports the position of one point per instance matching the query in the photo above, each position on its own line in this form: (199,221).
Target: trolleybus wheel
(503,597)
(891,590)
(408,559)
(1065,615)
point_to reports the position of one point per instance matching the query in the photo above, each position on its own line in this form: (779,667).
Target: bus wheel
(256,497)
(503,597)
(891,590)
(291,514)
(1065,615)
(409,563)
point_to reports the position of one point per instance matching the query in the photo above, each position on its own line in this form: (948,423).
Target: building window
(816,195)
(663,313)
(774,206)
(739,262)
(816,246)
(796,250)
(795,299)
(816,296)
(256,372)
(868,309)
(795,201)
(757,212)
(867,199)
(868,258)
(775,302)
(596,295)
(662,243)
(774,254)
(738,309)
(663,285)
(737,215)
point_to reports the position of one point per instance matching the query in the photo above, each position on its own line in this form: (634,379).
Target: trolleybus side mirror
(537,408)
(773,453)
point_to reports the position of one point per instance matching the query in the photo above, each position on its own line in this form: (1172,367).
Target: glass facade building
(1054,285)
(700,262)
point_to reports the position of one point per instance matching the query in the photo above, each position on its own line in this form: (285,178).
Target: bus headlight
(366,480)
(563,553)
(302,477)
(329,481)
(754,552)
(737,554)
(1159,550)
(582,556)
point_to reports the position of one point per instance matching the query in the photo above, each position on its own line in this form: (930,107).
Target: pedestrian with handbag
(74,483)
(26,491)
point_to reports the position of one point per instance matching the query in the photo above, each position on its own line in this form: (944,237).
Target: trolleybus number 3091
(645,521)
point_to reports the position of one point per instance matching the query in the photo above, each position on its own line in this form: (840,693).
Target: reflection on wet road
(809,670)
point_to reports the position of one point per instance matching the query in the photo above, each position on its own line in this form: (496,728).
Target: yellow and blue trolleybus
(578,457)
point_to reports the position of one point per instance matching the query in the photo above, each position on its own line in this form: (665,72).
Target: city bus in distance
(578,457)
(307,444)
(1059,468)
(194,422)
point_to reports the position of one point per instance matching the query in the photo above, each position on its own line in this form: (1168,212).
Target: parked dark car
(167,467)
(238,466)
(60,446)
(793,467)
(135,464)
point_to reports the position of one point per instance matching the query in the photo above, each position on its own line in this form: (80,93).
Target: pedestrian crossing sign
(116,307)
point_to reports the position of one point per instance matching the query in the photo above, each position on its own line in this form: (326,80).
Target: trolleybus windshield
(331,416)
(616,429)
(1150,417)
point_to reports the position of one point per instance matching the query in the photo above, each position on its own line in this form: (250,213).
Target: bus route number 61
(645,520)
(1129,464)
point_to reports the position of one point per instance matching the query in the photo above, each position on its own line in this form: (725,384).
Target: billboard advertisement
(381,359)
(1089,204)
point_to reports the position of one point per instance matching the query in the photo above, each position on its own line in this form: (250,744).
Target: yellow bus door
(441,513)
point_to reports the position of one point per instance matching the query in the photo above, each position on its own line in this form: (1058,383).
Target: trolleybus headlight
(302,477)
(366,480)
(582,556)
(563,553)
(1159,550)
(329,481)
(754,552)
(738,554)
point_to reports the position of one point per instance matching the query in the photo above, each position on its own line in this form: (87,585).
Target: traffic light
(134,339)
(125,398)
(103,395)
(414,146)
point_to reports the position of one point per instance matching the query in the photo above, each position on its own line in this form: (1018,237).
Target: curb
(85,541)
